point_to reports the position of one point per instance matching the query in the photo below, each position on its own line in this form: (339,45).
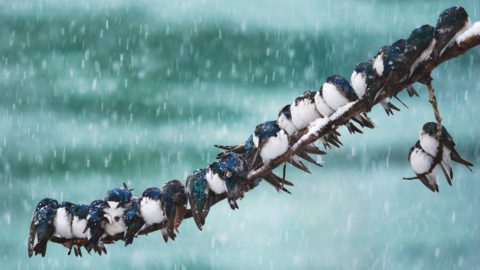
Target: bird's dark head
(47,202)
(80,210)
(454,16)
(307,95)
(420,38)
(366,68)
(285,111)
(229,165)
(266,130)
(65,204)
(430,128)
(118,197)
(153,193)
(343,84)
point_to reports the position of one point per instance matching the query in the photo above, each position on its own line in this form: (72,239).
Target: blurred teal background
(94,93)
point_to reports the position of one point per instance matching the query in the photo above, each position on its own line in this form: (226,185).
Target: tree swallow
(133,220)
(364,77)
(79,226)
(429,142)
(174,202)
(421,163)
(228,175)
(118,200)
(42,228)
(199,196)
(451,23)
(96,222)
(337,92)
(420,44)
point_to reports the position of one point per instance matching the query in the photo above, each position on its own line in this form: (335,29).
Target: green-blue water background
(94,93)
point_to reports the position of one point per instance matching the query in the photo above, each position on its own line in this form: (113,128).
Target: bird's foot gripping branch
(313,116)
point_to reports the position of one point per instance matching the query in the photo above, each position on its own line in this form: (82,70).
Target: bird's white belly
(151,211)
(378,64)
(62,222)
(215,183)
(114,227)
(420,161)
(322,106)
(274,147)
(333,97)
(303,112)
(429,144)
(78,228)
(286,124)
(359,83)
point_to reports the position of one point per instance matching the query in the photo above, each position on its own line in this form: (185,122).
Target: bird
(420,45)
(363,77)
(337,92)
(118,201)
(96,222)
(199,196)
(422,163)
(228,175)
(451,23)
(429,141)
(42,227)
(174,206)
(79,227)
(133,220)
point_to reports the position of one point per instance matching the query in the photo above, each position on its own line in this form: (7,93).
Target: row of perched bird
(120,215)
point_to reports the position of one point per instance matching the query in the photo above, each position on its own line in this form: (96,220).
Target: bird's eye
(117,218)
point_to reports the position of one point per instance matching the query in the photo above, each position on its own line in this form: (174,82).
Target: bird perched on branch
(420,44)
(96,222)
(423,165)
(199,196)
(174,206)
(228,175)
(133,220)
(429,141)
(451,23)
(363,77)
(42,226)
(118,201)
(337,92)
(79,227)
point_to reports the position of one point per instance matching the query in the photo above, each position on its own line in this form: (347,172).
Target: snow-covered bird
(118,200)
(337,92)
(303,110)
(174,206)
(421,163)
(451,23)
(364,77)
(429,142)
(420,44)
(199,196)
(79,227)
(228,175)
(42,227)
(96,222)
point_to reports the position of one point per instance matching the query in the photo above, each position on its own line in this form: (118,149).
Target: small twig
(433,100)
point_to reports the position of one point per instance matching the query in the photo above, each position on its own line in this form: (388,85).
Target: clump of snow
(316,126)
(342,110)
(474,30)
